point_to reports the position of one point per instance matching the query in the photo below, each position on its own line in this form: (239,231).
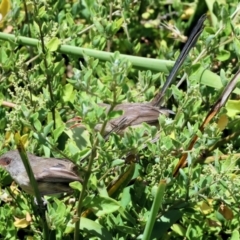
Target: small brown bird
(133,115)
(52,175)
(136,113)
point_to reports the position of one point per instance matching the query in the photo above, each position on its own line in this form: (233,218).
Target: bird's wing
(56,173)
(136,113)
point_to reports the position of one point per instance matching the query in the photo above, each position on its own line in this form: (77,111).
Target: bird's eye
(5,161)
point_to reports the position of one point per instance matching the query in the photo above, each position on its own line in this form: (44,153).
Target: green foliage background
(50,86)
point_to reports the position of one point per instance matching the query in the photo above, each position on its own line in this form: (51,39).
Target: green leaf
(76,185)
(204,75)
(34,116)
(68,93)
(53,44)
(102,205)
(69,19)
(91,228)
(117,162)
(115,114)
(137,47)
(48,128)
(235,235)
(42,12)
(37,124)
(58,131)
(59,68)
(58,118)
(98,25)
(233,107)
(26,112)
(72,147)
(223,55)
(210,30)
(3,55)
(116,25)
(80,136)
(179,229)
(195,67)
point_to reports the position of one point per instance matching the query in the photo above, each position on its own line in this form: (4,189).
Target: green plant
(47,81)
